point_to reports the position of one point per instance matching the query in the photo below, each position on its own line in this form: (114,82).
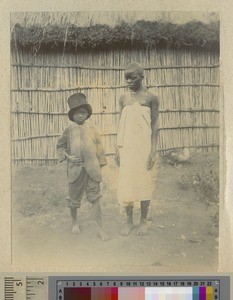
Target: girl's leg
(142,230)
(129,225)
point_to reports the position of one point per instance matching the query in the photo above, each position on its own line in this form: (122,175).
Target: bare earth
(183,226)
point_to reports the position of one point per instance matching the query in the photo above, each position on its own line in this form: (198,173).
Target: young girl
(136,147)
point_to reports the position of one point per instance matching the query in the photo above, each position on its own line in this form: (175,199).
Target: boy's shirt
(82,141)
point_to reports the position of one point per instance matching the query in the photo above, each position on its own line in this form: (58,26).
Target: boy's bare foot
(142,230)
(76,229)
(126,229)
(103,235)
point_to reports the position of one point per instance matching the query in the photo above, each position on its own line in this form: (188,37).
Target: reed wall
(186,81)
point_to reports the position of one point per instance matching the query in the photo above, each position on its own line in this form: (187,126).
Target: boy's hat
(76,101)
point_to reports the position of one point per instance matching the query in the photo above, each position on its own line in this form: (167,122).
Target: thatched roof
(115,29)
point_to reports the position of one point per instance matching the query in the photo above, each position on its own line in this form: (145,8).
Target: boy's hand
(75,160)
(151,161)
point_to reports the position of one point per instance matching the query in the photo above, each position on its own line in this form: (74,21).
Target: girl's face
(133,80)
(80,115)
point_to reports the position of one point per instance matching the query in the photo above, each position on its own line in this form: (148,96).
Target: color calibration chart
(43,287)
(140,289)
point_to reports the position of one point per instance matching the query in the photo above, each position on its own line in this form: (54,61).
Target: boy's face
(133,80)
(80,115)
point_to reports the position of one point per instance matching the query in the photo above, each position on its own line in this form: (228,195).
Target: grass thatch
(111,18)
(55,31)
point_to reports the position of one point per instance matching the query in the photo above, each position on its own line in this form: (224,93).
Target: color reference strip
(138,293)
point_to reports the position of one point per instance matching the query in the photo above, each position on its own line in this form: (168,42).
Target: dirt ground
(183,219)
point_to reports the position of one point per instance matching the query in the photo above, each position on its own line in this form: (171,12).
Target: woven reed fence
(186,81)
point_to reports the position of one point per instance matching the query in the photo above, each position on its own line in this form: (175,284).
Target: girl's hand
(117,157)
(151,160)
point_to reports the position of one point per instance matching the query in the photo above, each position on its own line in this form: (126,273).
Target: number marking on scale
(37,288)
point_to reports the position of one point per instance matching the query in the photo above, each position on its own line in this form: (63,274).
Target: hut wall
(186,81)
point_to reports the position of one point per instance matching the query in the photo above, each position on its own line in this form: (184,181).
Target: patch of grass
(36,190)
(41,201)
(205,183)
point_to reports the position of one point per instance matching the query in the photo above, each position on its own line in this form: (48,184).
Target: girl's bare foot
(76,229)
(142,229)
(127,229)
(103,235)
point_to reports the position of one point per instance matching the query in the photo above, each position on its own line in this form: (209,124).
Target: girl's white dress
(135,182)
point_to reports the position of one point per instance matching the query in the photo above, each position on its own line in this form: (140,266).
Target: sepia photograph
(115,139)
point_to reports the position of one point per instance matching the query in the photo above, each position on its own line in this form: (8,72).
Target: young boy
(136,147)
(81,146)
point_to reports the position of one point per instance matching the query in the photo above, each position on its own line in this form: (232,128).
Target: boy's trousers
(84,183)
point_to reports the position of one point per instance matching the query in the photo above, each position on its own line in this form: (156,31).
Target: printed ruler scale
(15,288)
(26,288)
